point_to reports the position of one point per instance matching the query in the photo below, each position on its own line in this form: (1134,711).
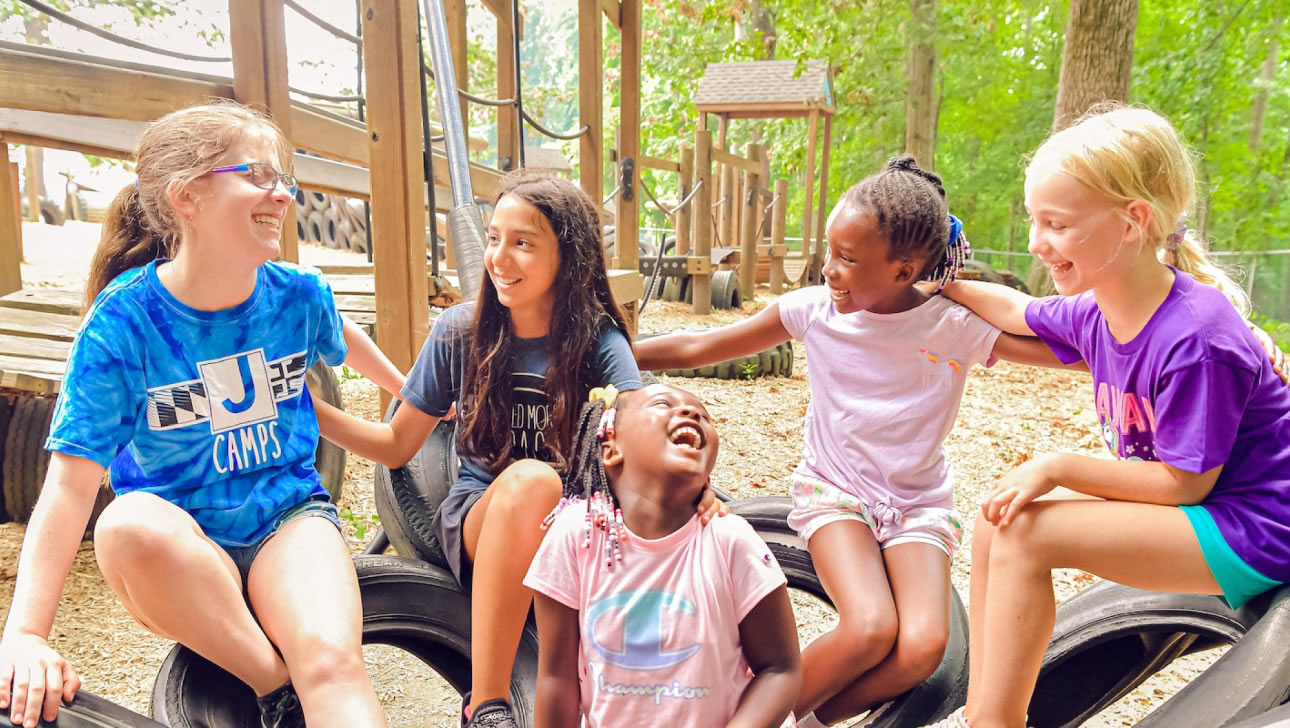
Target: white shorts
(817,503)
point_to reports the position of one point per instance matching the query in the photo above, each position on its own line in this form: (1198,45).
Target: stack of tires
(330,220)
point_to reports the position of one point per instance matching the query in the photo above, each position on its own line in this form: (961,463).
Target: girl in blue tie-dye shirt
(187,379)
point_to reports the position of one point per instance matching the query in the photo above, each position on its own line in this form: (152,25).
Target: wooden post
(398,230)
(33,185)
(258,38)
(10,227)
(824,190)
(779,213)
(508,128)
(591,162)
(685,216)
(454,12)
(808,249)
(748,234)
(701,277)
(627,222)
(725,217)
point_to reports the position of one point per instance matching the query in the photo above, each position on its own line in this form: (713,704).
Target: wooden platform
(37,325)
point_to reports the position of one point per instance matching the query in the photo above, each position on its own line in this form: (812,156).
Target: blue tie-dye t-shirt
(206,409)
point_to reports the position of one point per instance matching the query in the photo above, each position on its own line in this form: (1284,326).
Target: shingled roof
(745,84)
(547,159)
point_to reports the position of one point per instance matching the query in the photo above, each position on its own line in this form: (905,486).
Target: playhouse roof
(773,88)
(545,158)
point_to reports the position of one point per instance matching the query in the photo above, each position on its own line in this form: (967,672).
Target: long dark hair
(582,308)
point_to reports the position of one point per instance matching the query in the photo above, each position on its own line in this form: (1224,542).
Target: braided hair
(586,481)
(909,205)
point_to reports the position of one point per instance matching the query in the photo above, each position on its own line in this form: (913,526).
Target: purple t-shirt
(1196,390)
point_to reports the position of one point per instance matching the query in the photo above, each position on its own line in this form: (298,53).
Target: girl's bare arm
(390,443)
(367,359)
(1002,306)
(557,702)
(768,635)
(689,349)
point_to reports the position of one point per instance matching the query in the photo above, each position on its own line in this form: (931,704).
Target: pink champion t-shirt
(885,389)
(660,630)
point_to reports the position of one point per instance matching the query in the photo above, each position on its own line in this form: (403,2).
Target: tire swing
(407,498)
(91,711)
(1110,638)
(407,604)
(937,696)
(329,459)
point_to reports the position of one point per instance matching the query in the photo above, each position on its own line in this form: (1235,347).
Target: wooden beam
(721,156)
(339,140)
(398,231)
(627,222)
(455,13)
(10,227)
(807,247)
(32,173)
(662,165)
(258,38)
(824,189)
(591,160)
(685,216)
(779,215)
(613,11)
(749,225)
(701,284)
(767,111)
(508,128)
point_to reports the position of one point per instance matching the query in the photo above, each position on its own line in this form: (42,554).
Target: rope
(323,23)
(584,130)
(659,205)
(325,97)
(64,17)
(468,95)
(720,202)
(671,212)
(612,194)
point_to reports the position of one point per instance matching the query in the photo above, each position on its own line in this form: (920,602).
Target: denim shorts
(243,556)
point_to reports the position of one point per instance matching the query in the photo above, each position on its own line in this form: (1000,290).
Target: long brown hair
(140,225)
(581,311)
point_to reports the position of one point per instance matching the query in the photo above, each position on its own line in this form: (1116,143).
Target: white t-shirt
(659,631)
(885,389)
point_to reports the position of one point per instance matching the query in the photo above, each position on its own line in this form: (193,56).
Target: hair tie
(1178,235)
(606,394)
(956,229)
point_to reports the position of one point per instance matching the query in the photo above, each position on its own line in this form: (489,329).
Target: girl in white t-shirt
(661,620)
(873,494)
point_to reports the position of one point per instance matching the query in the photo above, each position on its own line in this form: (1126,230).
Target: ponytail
(126,242)
(1188,254)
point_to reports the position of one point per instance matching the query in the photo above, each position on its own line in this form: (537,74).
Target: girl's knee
(528,483)
(138,526)
(870,633)
(315,660)
(920,650)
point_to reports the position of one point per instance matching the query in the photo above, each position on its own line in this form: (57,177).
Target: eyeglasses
(262,175)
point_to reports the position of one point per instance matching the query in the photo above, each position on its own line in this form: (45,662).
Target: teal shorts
(1239,581)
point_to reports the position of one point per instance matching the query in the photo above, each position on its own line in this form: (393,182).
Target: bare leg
(182,586)
(920,583)
(303,588)
(1146,546)
(851,569)
(502,533)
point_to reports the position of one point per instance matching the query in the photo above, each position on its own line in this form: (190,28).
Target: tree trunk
(1266,78)
(753,19)
(921,102)
(35,27)
(1097,58)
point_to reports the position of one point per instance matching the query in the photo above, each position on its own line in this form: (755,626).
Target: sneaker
(492,714)
(953,720)
(281,709)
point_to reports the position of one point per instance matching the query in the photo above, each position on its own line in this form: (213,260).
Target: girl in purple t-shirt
(1196,498)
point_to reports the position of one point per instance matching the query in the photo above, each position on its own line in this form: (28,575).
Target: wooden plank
(329,137)
(702,237)
(393,65)
(685,216)
(777,221)
(47,300)
(721,156)
(764,111)
(508,129)
(258,38)
(591,161)
(614,12)
(39,376)
(824,194)
(662,165)
(748,233)
(33,348)
(807,247)
(455,13)
(10,228)
(26,80)
(59,327)
(627,220)
(335,178)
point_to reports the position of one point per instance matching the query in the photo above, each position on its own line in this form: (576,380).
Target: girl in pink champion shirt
(645,616)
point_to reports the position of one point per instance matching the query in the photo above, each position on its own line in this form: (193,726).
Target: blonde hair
(1131,153)
(140,225)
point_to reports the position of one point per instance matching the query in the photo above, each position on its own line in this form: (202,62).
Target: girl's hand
(709,506)
(40,679)
(1016,489)
(1274,352)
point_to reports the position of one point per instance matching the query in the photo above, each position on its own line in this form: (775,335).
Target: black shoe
(281,709)
(492,714)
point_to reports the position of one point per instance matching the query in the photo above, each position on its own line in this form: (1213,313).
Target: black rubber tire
(1109,638)
(91,711)
(329,459)
(6,411)
(1278,717)
(725,290)
(937,696)
(409,604)
(407,498)
(25,458)
(1252,678)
